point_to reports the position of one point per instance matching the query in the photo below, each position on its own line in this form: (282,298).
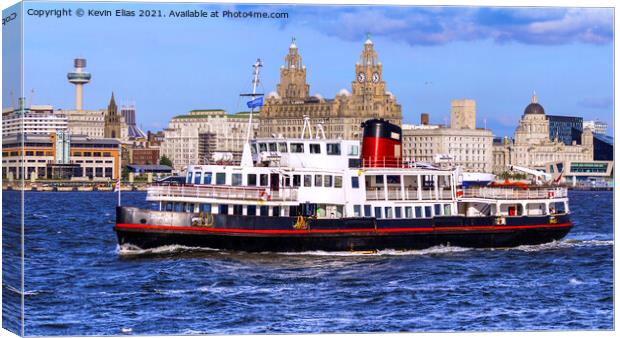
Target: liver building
(284,110)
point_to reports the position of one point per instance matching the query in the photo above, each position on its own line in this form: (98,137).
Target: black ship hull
(150,229)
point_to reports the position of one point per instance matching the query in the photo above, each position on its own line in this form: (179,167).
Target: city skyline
(431,55)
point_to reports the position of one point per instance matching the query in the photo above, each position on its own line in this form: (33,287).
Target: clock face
(361,77)
(375,77)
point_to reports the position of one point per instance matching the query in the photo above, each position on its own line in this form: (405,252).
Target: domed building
(532,146)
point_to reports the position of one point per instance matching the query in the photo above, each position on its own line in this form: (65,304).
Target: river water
(78,282)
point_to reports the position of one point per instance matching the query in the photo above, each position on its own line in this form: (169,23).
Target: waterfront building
(470,148)
(38,119)
(563,128)
(143,155)
(532,146)
(59,156)
(597,126)
(129,115)
(181,138)
(581,172)
(340,117)
(463,114)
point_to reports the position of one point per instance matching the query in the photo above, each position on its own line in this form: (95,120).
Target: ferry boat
(312,193)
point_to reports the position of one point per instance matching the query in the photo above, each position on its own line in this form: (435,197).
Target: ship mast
(246,156)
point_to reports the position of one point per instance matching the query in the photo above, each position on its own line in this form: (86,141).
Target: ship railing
(222,192)
(509,194)
(410,194)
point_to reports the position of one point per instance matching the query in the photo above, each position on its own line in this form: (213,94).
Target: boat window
(437,209)
(318,180)
(328,181)
(321,210)
(388,212)
(264,210)
(367,210)
(428,211)
(252,180)
(377,212)
(223,209)
(253,148)
(273,147)
(205,208)
(168,206)
(418,212)
(197,178)
(297,147)
(447,210)
(294,210)
(287,181)
(408,212)
(264,180)
(355,182)
(379,179)
(251,210)
(338,182)
(207,179)
(353,150)
(262,147)
(220,178)
(296,181)
(307,180)
(189,207)
(179,207)
(357,211)
(237,210)
(398,212)
(315,148)
(275,211)
(333,149)
(393,179)
(189,177)
(236,179)
(282,147)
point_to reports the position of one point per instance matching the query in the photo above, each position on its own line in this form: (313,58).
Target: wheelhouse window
(262,147)
(236,179)
(273,147)
(337,181)
(355,182)
(315,148)
(264,180)
(307,180)
(353,150)
(296,181)
(333,149)
(220,178)
(318,180)
(297,147)
(252,180)
(328,181)
(197,177)
(282,147)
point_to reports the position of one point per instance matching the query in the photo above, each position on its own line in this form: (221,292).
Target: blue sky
(430,56)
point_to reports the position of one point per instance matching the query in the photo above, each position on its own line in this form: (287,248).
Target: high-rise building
(284,110)
(563,128)
(597,126)
(129,114)
(32,120)
(463,114)
(79,77)
(181,138)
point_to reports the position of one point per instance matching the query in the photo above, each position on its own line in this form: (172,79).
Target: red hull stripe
(327,231)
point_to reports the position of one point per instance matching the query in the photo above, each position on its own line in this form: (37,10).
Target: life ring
(459,193)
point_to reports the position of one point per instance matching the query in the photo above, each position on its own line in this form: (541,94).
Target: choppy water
(78,282)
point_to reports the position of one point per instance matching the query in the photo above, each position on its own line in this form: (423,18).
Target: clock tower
(293,76)
(369,95)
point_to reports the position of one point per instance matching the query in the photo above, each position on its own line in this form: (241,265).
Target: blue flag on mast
(257,102)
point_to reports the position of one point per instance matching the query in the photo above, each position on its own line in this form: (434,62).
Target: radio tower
(79,77)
